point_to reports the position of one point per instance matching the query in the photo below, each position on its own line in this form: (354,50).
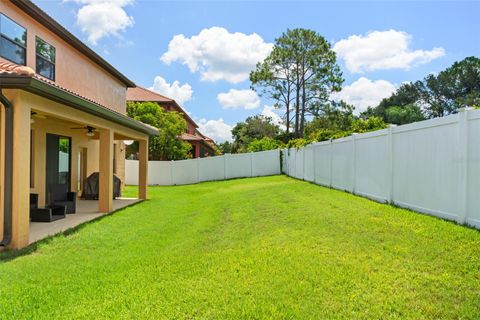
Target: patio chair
(59,196)
(47,214)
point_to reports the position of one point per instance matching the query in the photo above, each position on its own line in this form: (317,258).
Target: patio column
(21,176)
(142,169)
(105,188)
(197,149)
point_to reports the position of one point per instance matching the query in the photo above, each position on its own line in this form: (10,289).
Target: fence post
(283,163)
(171,173)
(295,166)
(463,146)
(390,160)
(354,160)
(303,162)
(331,163)
(314,165)
(198,170)
(251,164)
(225,166)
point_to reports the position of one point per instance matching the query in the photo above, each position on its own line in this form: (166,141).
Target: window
(13,40)
(45,59)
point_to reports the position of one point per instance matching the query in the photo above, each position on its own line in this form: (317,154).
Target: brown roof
(9,71)
(139,94)
(190,137)
(48,22)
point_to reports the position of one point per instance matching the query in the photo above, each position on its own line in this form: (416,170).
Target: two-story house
(62,117)
(202,146)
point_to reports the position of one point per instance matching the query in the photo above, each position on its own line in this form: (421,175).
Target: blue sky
(379,45)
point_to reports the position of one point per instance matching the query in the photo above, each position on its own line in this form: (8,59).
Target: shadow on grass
(11,254)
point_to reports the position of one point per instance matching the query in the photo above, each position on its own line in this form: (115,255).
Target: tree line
(436,95)
(301,74)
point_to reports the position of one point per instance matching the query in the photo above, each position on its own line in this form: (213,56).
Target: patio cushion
(47,214)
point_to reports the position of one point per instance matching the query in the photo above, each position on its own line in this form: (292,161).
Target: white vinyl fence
(229,166)
(431,166)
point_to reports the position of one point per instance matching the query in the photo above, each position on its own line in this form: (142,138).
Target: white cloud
(175,91)
(101,18)
(218,130)
(269,111)
(234,99)
(379,50)
(365,92)
(218,54)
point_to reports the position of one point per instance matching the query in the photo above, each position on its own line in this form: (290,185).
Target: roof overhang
(56,94)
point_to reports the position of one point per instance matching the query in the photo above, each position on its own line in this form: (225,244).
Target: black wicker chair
(47,214)
(59,196)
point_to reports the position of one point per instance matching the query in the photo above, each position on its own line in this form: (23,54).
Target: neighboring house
(61,104)
(202,146)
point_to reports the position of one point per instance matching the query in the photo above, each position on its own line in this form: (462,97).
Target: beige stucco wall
(73,70)
(2,157)
(79,140)
(58,119)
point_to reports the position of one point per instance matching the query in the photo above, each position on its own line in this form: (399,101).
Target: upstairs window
(13,40)
(45,59)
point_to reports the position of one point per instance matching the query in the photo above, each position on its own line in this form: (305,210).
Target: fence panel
(266,163)
(342,164)
(322,163)
(372,170)
(229,166)
(431,166)
(211,169)
(131,172)
(239,165)
(185,171)
(308,162)
(473,174)
(299,163)
(291,161)
(160,173)
(427,165)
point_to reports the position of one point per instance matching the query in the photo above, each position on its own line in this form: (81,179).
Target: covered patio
(60,139)
(87,210)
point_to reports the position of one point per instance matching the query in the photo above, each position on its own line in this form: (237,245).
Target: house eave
(54,93)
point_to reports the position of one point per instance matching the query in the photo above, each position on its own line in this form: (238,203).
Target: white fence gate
(431,166)
(229,166)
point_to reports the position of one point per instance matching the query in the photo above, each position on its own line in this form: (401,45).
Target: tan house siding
(58,119)
(71,67)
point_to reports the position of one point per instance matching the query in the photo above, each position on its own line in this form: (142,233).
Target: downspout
(8,168)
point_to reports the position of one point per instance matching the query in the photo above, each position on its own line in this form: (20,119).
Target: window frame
(7,38)
(39,56)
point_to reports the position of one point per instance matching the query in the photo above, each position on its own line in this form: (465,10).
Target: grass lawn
(258,248)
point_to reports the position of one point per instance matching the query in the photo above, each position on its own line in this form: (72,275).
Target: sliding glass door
(58,155)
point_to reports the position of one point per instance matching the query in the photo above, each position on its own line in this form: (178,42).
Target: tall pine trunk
(302,118)
(297,102)
(288,110)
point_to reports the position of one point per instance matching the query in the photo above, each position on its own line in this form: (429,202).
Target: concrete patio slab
(87,210)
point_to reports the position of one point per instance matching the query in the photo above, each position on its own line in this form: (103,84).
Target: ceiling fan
(90,130)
